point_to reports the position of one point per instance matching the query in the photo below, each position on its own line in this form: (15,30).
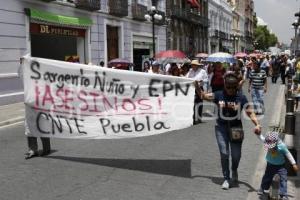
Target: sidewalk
(12,113)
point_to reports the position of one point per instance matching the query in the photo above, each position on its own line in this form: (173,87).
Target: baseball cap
(271,140)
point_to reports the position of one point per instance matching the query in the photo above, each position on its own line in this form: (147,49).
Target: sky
(279,16)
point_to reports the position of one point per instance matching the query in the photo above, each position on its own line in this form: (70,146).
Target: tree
(263,38)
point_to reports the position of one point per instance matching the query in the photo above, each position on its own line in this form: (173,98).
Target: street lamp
(296,25)
(151,16)
(235,39)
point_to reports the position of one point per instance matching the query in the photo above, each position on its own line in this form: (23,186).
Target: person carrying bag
(229,131)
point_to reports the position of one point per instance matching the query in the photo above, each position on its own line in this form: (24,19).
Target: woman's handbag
(235,132)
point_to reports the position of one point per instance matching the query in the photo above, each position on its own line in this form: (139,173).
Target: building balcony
(196,18)
(138,11)
(188,15)
(91,5)
(118,8)
(222,35)
(248,35)
(179,13)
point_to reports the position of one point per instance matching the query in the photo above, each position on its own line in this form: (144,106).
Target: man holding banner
(32,141)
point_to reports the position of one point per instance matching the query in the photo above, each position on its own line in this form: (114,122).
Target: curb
(261,164)
(11,121)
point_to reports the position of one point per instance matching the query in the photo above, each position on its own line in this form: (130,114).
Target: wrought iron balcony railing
(222,35)
(248,35)
(194,17)
(138,11)
(118,8)
(90,5)
(179,13)
(189,15)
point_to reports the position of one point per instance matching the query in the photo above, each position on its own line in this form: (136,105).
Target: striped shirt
(257,79)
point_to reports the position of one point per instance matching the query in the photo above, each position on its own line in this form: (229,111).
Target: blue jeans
(271,170)
(223,144)
(258,100)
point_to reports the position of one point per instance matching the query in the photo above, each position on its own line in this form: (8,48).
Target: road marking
(9,75)
(12,124)
(11,94)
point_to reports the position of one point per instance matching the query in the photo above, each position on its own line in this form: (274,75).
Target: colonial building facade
(250,24)
(87,30)
(187,27)
(220,17)
(243,24)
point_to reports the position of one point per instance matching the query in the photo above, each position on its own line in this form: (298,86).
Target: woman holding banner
(229,130)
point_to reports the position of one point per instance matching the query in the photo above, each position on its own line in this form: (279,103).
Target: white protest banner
(70,100)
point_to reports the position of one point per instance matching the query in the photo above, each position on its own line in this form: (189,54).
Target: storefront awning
(46,17)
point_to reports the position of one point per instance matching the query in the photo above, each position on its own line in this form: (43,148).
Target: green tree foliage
(263,38)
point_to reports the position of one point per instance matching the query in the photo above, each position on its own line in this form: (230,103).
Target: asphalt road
(177,165)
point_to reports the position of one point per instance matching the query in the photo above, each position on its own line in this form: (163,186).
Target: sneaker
(30,154)
(225,185)
(260,191)
(235,177)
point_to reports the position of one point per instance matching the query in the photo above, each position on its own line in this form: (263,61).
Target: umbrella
(201,55)
(240,55)
(221,57)
(256,55)
(170,54)
(119,63)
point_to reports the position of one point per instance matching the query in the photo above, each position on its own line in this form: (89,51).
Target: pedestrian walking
(229,129)
(257,87)
(296,92)
(265,65)
(174,70)
(283,65)
(276,153)
(217,81)
(275,68)
(32,141)
(200,76)
(184,69)
(155,68)
(238,72)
